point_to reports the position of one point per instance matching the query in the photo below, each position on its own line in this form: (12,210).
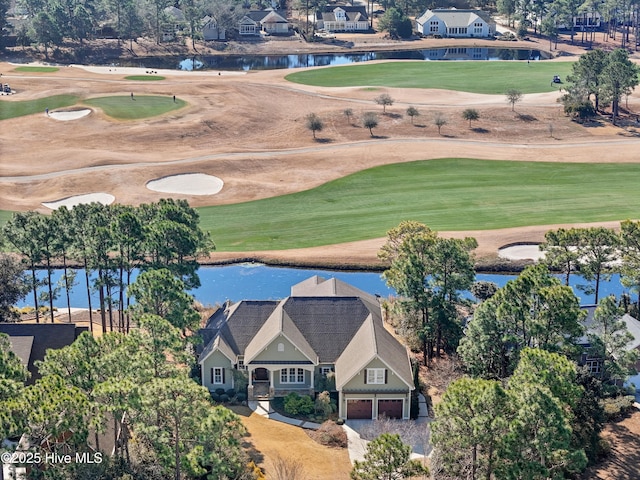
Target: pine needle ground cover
(446,194)
(491,77)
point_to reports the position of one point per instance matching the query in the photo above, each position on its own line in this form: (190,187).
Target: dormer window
(241,365)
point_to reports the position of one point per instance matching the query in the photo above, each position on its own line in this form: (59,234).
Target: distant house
(268,21)
(456,23)
(324,327)
(211,31)
(30,341)
(343,18)
(174,23)
(594,364)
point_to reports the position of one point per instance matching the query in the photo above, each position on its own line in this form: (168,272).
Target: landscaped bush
(231,392)
(215,397)
(617,407)
(241,397)
(220,391)
(295,404)
(224,398)
(330,434)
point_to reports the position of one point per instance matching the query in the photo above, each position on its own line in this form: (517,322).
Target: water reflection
(273,62)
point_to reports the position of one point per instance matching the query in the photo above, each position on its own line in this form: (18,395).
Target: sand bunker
(187,184)
(70,202)
(65,116)
(521,252)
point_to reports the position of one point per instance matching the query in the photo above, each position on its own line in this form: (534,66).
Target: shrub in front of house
(220,391)
(215,397)
(295,404)
(617,407)
(231,392)
(224,398)
(330,434)
(241,397)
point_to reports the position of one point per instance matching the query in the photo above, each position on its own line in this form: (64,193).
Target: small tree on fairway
(348,113)
(370,121)
(314,124)
(513,97)
(384,100)
(470,114)
(387,458)
(439,121)
(413,112)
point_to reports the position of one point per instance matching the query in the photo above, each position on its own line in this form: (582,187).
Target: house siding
(271,353)
(358,381)
(217,359)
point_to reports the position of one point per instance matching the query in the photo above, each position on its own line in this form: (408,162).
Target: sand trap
(521,252)
(70,202)
(69,115)
(187,184)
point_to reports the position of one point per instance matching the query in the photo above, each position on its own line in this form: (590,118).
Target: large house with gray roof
(453,22)
(343,18)
(324,327)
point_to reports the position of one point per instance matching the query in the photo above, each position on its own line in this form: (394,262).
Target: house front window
(594,366)
(292,375)
(217,375)
(376,375)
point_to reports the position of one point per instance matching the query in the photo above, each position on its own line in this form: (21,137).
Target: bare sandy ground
(248,130)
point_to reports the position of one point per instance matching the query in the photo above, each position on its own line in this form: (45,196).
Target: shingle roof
(248,317)
(45,336)
(259,15)
(22,346)
(352,13)
(455,17)
(373,341)
(633,327)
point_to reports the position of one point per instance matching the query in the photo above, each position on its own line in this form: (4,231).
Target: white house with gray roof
(324,327)
(343,18)
(456,23)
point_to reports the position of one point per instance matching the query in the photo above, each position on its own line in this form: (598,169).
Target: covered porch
(278,380)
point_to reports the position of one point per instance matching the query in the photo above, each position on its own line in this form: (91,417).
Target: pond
(271,62)
(261,282)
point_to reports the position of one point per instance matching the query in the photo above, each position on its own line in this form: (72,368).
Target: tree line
(108,243)
(524,408)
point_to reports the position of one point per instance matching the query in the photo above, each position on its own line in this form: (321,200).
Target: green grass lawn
(145,78)
(446,194)
(37,69)
(141,106)
(28,107)
(475,77)
(5,216)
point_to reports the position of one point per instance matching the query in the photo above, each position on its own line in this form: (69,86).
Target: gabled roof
(260,15)
(317,286)
(247,20)
(21,347)
(174,12)
(273,17)
(278,323)
(248,317)
(44,336)
(353,13)
(455,17)
(370,342)
(633,327)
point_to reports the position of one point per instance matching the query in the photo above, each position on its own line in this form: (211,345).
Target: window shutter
(366,374)
(212,375)
(385,376)
(223,381)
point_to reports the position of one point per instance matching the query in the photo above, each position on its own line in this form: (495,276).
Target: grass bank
(136,107)
(145,78)
(474,77)
(446,194)
(36,69)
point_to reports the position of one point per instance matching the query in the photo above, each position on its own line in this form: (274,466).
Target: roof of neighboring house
(22,347)
(633,327)
(174,12)
(44,336)
(262,15)
(454,17)
(353,13)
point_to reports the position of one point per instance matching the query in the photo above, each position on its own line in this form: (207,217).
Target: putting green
(474,77)
(135,107)
(145,78)
(36,69)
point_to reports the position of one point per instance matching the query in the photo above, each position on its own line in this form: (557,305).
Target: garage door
(390,408)
(359,409)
